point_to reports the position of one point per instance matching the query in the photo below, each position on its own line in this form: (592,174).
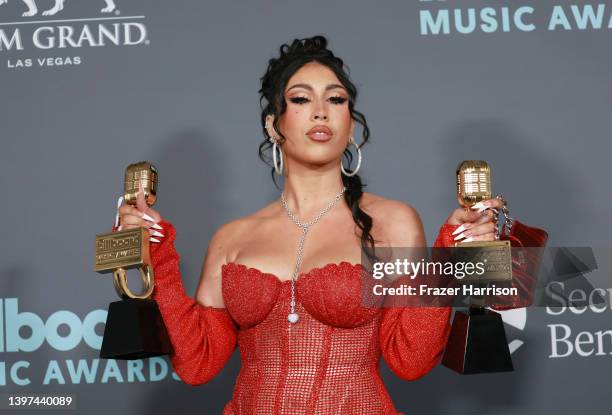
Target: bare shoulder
(221,249)
(398,222)
(227,237)
(383,208)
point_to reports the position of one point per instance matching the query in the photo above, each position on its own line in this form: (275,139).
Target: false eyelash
(299,100)
(338,100)
(302,100)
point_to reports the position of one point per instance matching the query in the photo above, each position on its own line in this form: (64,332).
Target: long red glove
(413,338)
(203,337)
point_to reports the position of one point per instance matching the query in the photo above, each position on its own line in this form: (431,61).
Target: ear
(352,129)
(270,124)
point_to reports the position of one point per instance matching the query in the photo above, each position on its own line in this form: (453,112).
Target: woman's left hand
(478,223)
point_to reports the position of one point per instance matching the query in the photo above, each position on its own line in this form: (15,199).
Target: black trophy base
(477,343)
(134,330)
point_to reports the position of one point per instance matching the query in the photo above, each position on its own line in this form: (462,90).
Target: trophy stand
(477,342)
(134,326)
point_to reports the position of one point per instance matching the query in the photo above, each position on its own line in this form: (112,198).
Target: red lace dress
(327,363)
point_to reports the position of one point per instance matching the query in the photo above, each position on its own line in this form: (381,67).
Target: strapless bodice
(336,294)
(326,363)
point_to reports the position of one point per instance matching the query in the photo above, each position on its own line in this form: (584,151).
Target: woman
(306,344)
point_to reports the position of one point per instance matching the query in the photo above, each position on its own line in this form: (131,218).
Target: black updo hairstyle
(272,101)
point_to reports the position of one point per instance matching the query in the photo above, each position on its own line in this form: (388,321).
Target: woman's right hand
(477,223)
(141,216)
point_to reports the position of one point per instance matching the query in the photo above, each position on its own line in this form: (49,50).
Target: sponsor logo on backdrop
(442,17)
(566,335)
(516,318)
(566,340)
(58,6)
(36,40)
(23,332)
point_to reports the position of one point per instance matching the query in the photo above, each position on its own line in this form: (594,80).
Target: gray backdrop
(534,103)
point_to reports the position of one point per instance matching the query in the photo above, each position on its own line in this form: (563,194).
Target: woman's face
(317,123)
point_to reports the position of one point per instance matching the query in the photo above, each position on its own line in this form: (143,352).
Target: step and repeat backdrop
(89,87)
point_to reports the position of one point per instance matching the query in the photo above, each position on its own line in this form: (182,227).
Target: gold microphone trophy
(477,341)
(134,326)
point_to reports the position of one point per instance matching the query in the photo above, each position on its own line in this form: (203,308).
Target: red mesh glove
(203,337)
(413,339)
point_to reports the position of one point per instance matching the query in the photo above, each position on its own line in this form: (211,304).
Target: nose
(319,113)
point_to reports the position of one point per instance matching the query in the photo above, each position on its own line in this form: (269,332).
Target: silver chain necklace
(293,316)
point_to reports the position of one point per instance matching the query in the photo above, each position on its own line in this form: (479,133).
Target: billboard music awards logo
(23,41)
(26,339)
(482,17)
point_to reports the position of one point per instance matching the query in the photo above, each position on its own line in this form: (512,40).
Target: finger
(485,237)
(141,203)
(487,204)
(154,225)
(133,217)
(129,210)
(153,217)
(155,233)
(133,224)
(468,216)
(470,229)
(147,221)
(480,229)
(148,213)
(483,217)
(132,220)
(486,216)
(495,203)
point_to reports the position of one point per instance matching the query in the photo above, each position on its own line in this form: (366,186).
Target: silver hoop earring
(277,168)
(354,172)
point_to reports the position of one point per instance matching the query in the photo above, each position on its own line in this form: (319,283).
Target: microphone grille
(473,182)
(145,174)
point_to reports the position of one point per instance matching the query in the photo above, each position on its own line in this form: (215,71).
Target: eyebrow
(308,87)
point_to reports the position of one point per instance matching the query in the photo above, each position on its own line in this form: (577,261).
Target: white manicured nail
(156,226)
(147,217)
(468,239)
(119,228)
(460,236)
(154,240)
(478,206)
(155,233)
(459,229)
(119,203)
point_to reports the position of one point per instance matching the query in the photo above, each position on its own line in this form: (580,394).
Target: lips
(320,133)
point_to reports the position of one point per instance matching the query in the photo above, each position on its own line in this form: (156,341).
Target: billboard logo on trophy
(59,6)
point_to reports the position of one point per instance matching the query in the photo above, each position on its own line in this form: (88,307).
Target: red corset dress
(327,363)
